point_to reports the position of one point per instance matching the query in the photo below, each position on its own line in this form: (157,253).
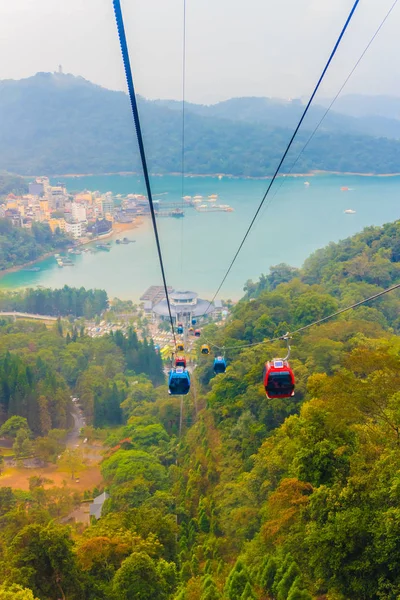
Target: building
(75,229)
(56,223)
(78,212)
(107,202)
(185,306)
(97,505)
(37,187)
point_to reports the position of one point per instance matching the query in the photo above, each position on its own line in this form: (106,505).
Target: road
(79,422)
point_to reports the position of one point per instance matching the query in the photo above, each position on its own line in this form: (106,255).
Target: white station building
(185,306)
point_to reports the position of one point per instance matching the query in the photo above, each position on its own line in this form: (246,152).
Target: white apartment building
(75,229)
(78,212)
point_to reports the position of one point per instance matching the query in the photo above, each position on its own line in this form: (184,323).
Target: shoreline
(121,228)
(216,175)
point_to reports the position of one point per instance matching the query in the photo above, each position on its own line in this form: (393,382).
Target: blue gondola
(179,329)
(219,365)
(194,321)
(178,382)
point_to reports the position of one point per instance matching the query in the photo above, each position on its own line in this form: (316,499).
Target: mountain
(55,123)
(284,113)
(360,105)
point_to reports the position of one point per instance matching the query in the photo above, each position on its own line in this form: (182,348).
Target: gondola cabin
(191,330)
(205,349)
(178,382)
(278,379)
(180,361)
(179,329)
(219,365)
(194,321)
(180,347)
(197,332)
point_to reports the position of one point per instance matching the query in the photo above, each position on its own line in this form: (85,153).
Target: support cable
(318,322)
(306,109)
(132,96)
(332,103)
(183,123)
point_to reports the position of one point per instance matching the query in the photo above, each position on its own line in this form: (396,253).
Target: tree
(22,446)
(43,560)
(137,579)
(71,461)
(13,425)
(16,592)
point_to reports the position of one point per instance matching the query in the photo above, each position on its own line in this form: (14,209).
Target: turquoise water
(198,249)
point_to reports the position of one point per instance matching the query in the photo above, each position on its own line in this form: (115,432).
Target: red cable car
(180,361)
(197,332)
(278,379)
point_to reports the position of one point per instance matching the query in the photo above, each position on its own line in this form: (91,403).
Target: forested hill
(237,497)
(20,246)
(55,123)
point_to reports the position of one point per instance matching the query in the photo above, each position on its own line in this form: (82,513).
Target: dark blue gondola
(179,329)
(178,382)
(194,321)
(219,365)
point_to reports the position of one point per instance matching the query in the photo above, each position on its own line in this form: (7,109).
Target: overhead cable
(136,118)
(314,323)
(333,102)
(289,145)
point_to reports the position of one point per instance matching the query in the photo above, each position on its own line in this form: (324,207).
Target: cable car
(219,365)
(194,321)
(179,329)
(191,330)
(178,382)
(197,332)
(180,347)
(180,361)
(205,349)
(279,381)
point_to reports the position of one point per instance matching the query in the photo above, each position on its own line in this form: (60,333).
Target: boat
(178,213)
(307,183)
(197,197)
(350,211)
(220,177)
(105,247)
(213,196)
(344,189)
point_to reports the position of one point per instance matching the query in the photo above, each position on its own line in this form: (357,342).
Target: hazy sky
(234,48)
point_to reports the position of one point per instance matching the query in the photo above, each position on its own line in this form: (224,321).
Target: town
(84,216)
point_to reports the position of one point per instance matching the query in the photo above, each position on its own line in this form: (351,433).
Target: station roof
(183,295)
(201,308)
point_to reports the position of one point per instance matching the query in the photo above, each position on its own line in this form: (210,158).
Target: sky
(274,48)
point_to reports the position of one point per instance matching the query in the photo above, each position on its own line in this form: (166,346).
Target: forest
(20,246)
(239,497)
(89,130)
(67,301)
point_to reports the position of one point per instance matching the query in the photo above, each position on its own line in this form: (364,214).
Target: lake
(198,249)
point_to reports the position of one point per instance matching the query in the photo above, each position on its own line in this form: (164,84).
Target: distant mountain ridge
(56,123)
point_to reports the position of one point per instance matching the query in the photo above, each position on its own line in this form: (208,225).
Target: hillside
(55,123)
(256,499)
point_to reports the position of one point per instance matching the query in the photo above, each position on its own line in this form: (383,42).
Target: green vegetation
(67,301)
(10,183)
(19,246)
(258,499)
(88,130)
